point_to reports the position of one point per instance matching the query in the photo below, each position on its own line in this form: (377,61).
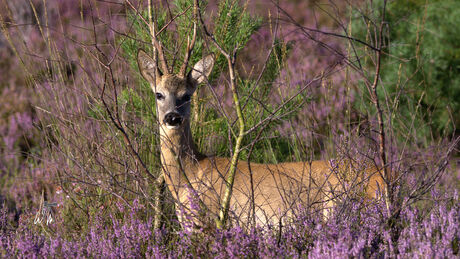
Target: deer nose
(173,119)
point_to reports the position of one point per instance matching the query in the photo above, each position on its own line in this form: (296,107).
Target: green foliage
(234,26)
(421,73)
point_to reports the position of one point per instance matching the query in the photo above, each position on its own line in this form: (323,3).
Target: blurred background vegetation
(421,78)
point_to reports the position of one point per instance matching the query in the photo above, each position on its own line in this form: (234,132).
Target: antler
(188,52)
(164,65)
(190,45)
(155,42)
(159,47)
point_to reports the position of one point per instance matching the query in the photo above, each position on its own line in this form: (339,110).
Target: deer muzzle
(173,120)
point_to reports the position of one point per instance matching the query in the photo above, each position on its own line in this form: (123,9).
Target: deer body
(275,190)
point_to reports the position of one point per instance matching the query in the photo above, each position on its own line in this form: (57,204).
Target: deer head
(173,91)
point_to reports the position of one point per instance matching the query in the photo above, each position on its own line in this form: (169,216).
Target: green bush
(421,66)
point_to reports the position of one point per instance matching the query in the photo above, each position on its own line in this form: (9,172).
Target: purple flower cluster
(362,233)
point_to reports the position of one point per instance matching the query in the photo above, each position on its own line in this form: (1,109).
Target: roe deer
(277,188)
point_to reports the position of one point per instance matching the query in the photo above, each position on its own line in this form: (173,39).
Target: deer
(270,192)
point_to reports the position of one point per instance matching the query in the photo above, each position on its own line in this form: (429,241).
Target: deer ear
(201,70)
(147,66)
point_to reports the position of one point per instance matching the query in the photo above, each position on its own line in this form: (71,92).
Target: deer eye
(160,96)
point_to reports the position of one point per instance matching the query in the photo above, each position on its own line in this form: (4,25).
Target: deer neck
(179,157)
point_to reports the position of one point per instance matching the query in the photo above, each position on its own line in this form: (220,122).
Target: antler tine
(163,62)
(156,44)
(190,45)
